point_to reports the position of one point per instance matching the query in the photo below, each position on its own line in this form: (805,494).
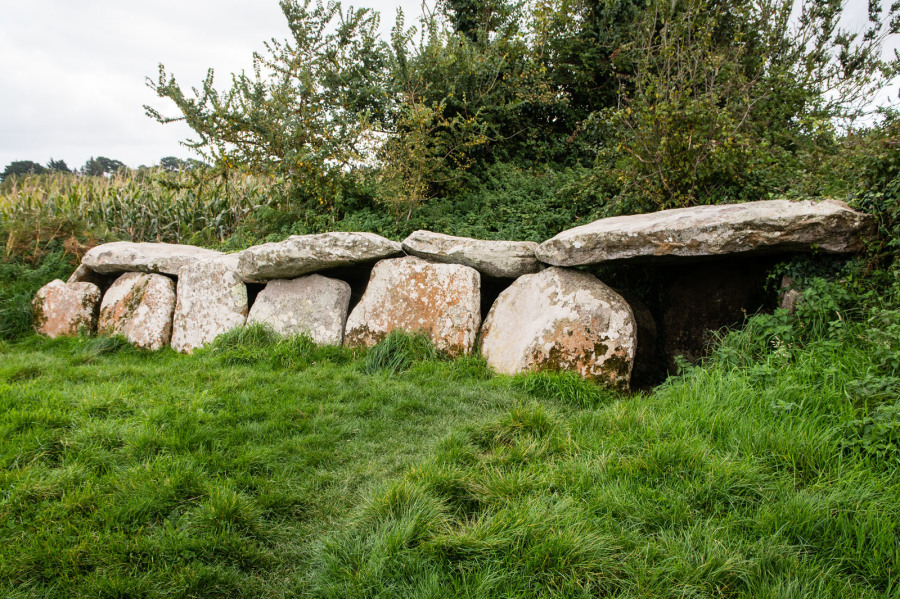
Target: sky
(73,74)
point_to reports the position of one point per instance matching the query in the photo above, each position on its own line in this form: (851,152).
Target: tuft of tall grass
(88,350)
(258,343)
(399,351)
(564,386)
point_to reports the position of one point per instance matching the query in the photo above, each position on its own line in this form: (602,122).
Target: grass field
(265,468)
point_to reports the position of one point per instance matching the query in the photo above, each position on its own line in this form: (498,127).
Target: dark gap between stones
(253,290)
(355,276)
(491,288)
(680,305)
(104,282)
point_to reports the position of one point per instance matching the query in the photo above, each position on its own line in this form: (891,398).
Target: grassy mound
(267,467)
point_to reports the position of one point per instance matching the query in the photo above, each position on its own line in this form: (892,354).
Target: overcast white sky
(73,74)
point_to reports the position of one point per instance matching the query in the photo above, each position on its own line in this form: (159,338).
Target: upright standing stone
(313,305)
(139,306)
(304,254)
(66,309)
(441,300)
(561,319)
(212,299)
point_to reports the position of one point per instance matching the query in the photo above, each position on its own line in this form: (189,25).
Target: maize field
(145,205)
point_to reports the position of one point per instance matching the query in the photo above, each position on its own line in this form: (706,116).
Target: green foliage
(19,281)
(58,166)
(878,191)
(428,152)
(198,206)
(399,351)
(673,104)
(877,434)
(172,164)
(21,167)
(729,100)
(101,165)
(304,113)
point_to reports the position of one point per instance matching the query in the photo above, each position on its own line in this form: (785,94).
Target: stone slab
(561,320)
(126,256)
(66,309)
(139,307)
(440,300)
(500,259)
(211,300)
(769,226)
(305,254)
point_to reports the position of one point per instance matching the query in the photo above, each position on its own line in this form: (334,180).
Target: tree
(171,164)
(58,166)
(305,112)
(478,20)
(673,102)
(22,167)
(427,150)
(725,95)
(101,165)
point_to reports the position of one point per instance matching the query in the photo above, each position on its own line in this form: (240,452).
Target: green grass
(271,468)
(19,282)
(729,481)
(127,473)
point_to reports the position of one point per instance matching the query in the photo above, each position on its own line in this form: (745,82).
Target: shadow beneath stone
(253,290)
(491,288)
(685,303)
(355,276)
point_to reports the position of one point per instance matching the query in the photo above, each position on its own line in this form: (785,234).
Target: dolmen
(524,306)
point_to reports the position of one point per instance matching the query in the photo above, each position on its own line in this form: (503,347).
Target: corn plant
(145,205)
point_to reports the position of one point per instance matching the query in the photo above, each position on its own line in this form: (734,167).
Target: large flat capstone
(304,254)
(211,300)
(139,306)
(312,305)
(500,259)
(751,228)
(441,300)
(561,320)
(126,256)
(65,309)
